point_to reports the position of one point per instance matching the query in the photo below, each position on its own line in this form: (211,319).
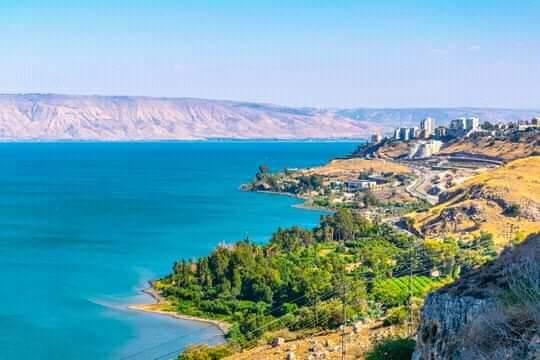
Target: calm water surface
(83,226)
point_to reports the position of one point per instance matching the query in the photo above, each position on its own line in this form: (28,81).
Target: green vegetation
(205,352)
(301,277)
(395,291)
(512,210)
(396,316)
(333,192)
(392,349)
(306,280)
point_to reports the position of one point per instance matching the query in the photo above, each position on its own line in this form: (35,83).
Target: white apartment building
(427,126)
(472,123)
(458,124)
(424,149)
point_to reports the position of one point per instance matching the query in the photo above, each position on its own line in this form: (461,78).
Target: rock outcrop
(492,313)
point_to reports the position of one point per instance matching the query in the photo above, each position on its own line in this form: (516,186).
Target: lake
(84,226)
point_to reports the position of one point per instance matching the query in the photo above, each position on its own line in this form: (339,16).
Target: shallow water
(85,225)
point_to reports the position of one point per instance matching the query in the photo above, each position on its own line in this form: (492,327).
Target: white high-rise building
(376,138)
(458,124)
(404,134)
(428,126)
(472,123)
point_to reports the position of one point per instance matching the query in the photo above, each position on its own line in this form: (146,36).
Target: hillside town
(467,185)
(428,139)
(417,168)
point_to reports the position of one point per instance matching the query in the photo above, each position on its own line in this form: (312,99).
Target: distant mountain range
(108,118)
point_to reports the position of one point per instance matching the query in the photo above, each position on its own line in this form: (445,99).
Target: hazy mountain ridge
(412,116)
(65,117)
(143,118)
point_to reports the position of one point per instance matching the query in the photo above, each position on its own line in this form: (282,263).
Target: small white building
(355,185)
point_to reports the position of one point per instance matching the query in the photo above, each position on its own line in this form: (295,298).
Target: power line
(416,258)
(275,308)
(252,332)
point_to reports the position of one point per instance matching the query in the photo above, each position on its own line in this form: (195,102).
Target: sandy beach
(160,307)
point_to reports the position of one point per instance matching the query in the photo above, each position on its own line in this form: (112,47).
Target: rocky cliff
(492,313)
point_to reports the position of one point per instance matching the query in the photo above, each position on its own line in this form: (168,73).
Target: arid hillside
(108,118)
(504,201)
(519,145)
(59,117)
(351,167)
(324,345)
(514,146)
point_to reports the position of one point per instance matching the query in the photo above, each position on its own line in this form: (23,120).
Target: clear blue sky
(314,53)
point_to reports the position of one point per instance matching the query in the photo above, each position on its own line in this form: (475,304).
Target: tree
(262,172)
(512,210)
(392,349)
(370,199)
(440,255)
(344,225)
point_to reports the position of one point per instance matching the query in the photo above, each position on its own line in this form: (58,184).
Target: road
(416,187)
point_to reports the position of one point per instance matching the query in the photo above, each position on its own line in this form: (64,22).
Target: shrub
(512,210)
(392,349)
(205,352)
(396,316)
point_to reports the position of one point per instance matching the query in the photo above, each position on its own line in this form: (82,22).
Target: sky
(361,53)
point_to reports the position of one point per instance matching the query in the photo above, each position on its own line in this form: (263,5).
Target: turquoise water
(83,226)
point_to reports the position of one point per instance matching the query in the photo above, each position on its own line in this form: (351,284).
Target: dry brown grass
(357,344)
(516,183)
(394,150)
(505,149)
(517,180)
(356,166)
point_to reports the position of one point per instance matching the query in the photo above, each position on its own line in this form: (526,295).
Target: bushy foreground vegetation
(301,277)
(392,349)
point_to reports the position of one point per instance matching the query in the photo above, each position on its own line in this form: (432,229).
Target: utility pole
(411,265)
(344,310)
(316,311)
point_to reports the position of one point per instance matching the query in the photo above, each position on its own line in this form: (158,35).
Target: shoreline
(157,308)
(303,206)
(159,302)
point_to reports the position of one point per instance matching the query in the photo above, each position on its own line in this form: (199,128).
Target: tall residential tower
(428,127)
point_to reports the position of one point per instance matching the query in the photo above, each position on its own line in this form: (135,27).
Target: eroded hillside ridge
(66,117)
(144,118)
(492,313)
